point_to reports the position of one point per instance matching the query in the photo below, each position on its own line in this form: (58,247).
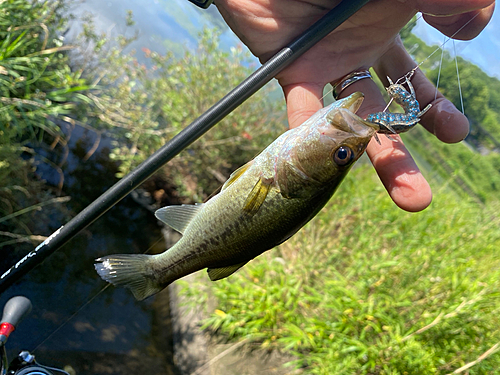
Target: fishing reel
(24,364)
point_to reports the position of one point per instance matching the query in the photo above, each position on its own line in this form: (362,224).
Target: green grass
(350,292)
(468,173)
(37,84)
(39,91)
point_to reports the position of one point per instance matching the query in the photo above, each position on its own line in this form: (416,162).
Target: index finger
(302,101)
(449,7)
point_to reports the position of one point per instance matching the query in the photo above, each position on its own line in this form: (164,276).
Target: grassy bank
(39,94)
(469,173)
(368,289)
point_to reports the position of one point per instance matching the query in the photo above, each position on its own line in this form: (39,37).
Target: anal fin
(220,273)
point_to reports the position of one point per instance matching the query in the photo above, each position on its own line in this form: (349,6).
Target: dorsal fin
(236,174)
(220,273)
(178,217)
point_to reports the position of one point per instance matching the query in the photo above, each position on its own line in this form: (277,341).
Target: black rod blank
(183,139)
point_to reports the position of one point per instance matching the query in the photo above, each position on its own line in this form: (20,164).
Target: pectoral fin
(178,217)
(220,273)
(256,197)
(236,174)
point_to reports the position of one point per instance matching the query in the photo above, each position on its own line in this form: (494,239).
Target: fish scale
(262,204)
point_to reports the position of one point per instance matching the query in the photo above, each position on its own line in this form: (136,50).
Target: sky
(483,51)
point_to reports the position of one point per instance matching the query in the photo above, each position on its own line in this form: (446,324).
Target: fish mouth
(347,118)
(352,102)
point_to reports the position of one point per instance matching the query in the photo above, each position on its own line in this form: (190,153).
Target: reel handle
(14,311)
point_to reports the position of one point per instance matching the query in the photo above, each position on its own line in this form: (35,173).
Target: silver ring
(348,80)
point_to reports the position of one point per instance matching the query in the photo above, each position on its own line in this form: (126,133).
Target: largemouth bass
(261,205)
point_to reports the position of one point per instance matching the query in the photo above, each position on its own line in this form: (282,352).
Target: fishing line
(440,47)
(410,73)
(71,317)
(411,24)
(458,78)
(439,72)
(86,303)
(447,39)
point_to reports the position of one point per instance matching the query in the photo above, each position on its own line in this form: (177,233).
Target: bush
(38,91)
(37,85)
(151,102)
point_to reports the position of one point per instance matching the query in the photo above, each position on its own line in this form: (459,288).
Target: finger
(449,7)
(302,101)
(392,161)
(443,119)
(463,26)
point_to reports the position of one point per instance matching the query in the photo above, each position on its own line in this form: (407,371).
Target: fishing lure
(395,123)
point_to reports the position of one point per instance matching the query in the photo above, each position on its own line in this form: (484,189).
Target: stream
(74,321)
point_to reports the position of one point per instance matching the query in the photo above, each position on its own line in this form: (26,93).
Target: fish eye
(343,156)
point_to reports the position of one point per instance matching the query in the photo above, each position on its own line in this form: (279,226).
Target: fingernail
(446,109)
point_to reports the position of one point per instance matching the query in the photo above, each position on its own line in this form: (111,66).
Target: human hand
(369,38)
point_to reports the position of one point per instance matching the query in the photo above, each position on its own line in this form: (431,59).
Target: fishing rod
(183,139)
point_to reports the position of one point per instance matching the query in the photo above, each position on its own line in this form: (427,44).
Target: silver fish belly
(262,204)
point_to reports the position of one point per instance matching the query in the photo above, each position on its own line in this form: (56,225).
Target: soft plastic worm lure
(395,123)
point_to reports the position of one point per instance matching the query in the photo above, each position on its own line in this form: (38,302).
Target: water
(161,26)
(113,333)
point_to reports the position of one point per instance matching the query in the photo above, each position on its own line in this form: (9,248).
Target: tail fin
(130,271)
